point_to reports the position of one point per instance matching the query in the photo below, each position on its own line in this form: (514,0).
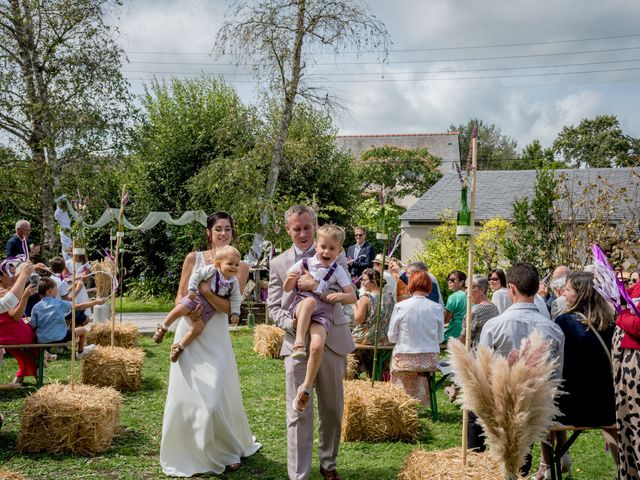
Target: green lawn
(130,305)
(134,454)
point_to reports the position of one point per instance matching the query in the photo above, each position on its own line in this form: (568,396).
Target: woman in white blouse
(417,329)
(498,283)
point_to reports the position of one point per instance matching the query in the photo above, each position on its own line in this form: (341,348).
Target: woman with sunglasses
(498,284)
(14,293)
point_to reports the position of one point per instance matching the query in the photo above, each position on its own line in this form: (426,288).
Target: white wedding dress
(205,426)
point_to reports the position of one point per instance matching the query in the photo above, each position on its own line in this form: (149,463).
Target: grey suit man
(300,222)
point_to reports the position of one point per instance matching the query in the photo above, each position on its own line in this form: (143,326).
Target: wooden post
(472,207)
(73,316)
(382,235)
(119,235)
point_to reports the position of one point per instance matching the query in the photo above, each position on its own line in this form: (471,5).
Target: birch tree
(62,95)
(284,38)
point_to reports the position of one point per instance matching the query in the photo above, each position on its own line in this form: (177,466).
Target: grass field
(134,453)
(130,305)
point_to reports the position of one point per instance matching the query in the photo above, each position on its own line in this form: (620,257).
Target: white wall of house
(412,239)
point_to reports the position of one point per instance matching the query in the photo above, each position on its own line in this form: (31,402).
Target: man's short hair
(45,284)
(300,210)
(524,276)
(22,224)
(417,266)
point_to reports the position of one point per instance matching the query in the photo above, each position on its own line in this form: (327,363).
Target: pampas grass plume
(513,396)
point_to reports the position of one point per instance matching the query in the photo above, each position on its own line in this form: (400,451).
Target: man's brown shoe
(330,474)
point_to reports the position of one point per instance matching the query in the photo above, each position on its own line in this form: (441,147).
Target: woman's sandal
(301,399)
(543,472)
(158,335)
(176,350)
(232,468)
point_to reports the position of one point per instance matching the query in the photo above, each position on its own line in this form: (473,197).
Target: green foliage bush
(443,252)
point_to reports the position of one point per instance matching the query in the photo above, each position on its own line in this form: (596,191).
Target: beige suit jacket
(339,338)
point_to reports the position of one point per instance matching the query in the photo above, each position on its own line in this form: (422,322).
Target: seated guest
(402,288)
(415,266)
(498,283)
(390,284)
(417,329)
(14,293)
(48,318)
(481,310)
(456,307)
(587,380)
(366,308)
(58,268)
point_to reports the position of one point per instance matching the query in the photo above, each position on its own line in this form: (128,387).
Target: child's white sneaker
(298,351)
(86,351)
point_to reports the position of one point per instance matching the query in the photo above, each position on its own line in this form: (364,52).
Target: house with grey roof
(445,146)
(496,191)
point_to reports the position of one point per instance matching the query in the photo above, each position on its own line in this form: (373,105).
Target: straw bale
(351,372)
(267,341)
(380,413)
(62,419)
(125,335)
(447,465)
(9,475)
(103,273)
(116,367)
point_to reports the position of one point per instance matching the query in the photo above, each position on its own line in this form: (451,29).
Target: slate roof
(497,189)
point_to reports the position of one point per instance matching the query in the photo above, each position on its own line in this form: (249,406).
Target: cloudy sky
(530,67)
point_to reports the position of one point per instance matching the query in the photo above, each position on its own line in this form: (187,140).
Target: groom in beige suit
(300,222)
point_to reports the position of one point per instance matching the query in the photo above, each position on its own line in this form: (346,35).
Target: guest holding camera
(14,293)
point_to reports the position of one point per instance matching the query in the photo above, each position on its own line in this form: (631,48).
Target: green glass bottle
(464,229)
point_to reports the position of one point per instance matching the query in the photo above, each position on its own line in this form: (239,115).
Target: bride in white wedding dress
(205,427)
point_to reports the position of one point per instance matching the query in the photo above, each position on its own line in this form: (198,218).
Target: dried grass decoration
(267,341)
(103,273)
(120,368)
(351,372)
(60,419)
(126,335)
(380,413)
(513,396)
(9,475)
(447,465)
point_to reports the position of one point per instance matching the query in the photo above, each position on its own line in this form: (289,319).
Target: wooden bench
(40,347)
(384,355)
(560,449)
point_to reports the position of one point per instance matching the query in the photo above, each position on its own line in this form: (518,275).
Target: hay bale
(380,413)
(125,335)
(267,341)
(117,367)
(351,372)
(60,419)
(9,475)
(447,465)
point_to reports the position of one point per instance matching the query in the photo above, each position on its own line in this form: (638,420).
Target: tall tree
(597,143)
(283,38)
(392,172)
(534,157)
(496,151)
(62,95)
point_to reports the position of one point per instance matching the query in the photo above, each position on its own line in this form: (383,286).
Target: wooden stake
(472,207)
(74,347)
(119,235)
(376,338)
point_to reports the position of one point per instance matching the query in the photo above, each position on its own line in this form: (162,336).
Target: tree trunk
(40,114)
(290,91)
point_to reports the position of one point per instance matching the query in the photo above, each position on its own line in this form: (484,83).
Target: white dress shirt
(417,326)
(501,299)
